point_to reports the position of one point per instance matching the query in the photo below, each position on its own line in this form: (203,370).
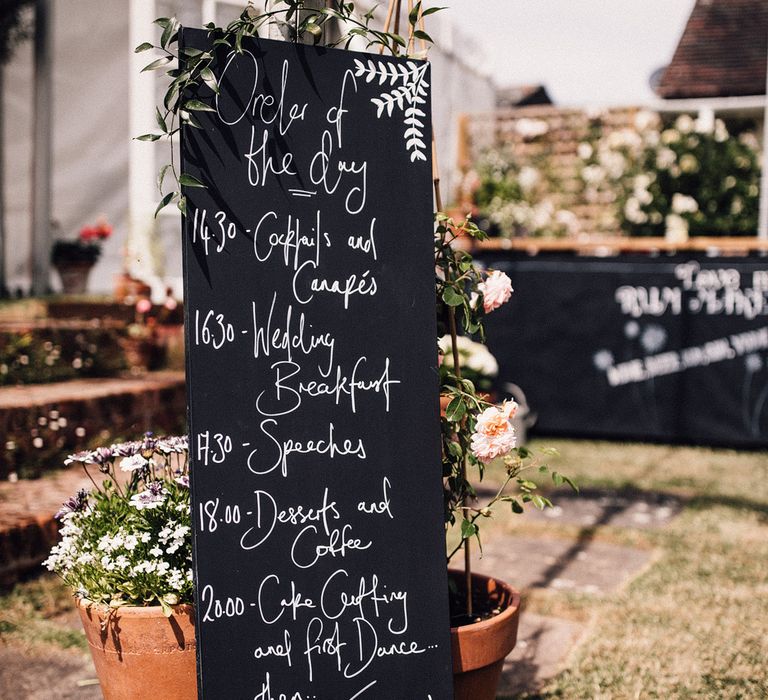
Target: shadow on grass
(705,501)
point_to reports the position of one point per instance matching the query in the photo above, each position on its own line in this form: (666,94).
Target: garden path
(580,564)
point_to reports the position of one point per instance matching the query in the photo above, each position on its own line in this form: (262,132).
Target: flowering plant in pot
(484,611)
(73,259)
(126,552)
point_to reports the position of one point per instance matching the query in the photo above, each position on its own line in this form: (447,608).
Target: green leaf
(455,410)
(523,452)
(190,181)
(468,529)
(570,483)
(167,32)
(398,39)
(167,609)
(413,15)
(165,201)
(162,22)
(160,121)
(192,121)
(149,137)
(454,449)
(452,297)
(192,53)
(159,63)
(161,175)
(539,502)
(314,30)
(418,34)
(432,10)
(557,479)
(210,79)
(197,106)
(171,96)
(182,205)
(146,46)
(516,507)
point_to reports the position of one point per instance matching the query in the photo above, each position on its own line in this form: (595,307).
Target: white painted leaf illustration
(410,89)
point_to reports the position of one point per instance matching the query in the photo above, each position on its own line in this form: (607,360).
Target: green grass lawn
(694,624)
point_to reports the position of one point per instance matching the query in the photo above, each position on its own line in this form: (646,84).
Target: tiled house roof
(722,52)
(522,96)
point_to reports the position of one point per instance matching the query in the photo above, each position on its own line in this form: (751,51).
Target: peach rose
(494,435)
(497,289)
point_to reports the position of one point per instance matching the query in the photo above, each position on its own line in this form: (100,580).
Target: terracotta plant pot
(74,275)
(479,649)
(140,653)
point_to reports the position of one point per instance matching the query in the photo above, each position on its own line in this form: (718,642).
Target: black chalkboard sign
(311,368)
(671,348)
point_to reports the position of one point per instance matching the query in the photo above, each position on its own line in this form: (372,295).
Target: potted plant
(484,611)
(126,552)
(74,259)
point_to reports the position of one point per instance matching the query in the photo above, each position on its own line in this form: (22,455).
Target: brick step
(41,423)
(28,529)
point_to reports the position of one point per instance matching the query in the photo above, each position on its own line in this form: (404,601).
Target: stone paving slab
(49,676)
(590,507)
(542,646)
(581,565)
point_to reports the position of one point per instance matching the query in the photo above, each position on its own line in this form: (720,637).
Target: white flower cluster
(657,177)
(472,355)
(131,542)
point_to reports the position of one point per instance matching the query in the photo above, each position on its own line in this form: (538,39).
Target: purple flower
(101,455)
(125,449)
(135,463)
(151,497)
(173,444)
(80,457)
(182,480)
(75,504)
(147,445)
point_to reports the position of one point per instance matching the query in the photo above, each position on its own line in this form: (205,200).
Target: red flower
(103,230)
(87,233)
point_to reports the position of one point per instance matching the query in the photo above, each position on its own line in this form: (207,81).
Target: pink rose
(494,435)
(143,306)
(497,289)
